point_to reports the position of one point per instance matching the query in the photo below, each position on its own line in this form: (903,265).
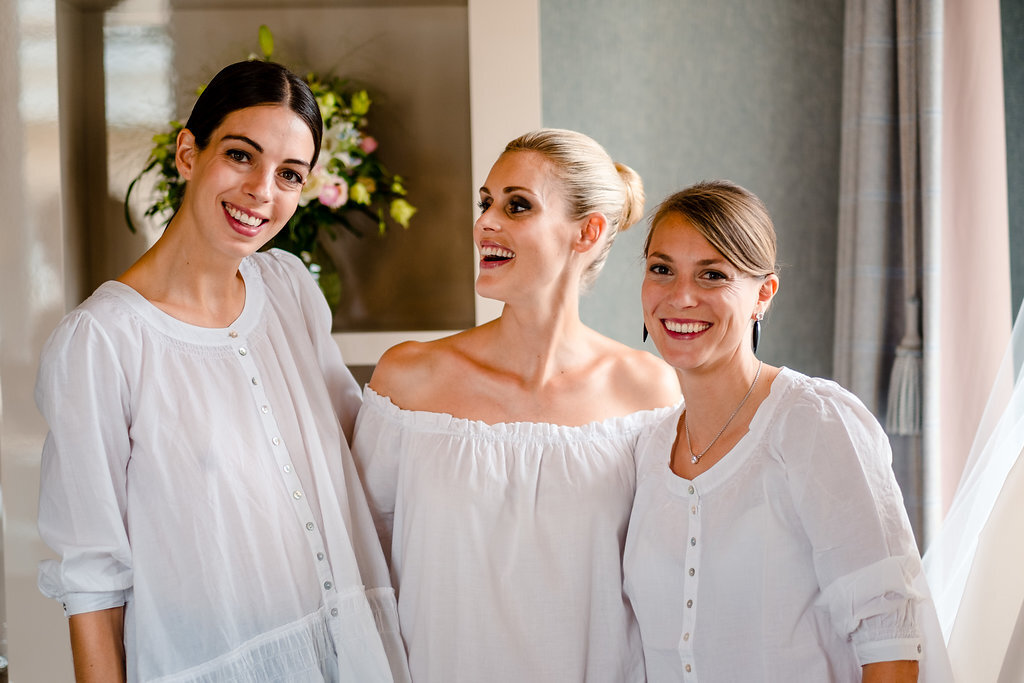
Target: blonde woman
(499,461)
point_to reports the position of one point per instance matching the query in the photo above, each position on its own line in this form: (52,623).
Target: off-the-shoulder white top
(506,543)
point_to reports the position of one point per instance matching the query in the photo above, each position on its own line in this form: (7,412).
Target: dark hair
(731,218)
(249,84)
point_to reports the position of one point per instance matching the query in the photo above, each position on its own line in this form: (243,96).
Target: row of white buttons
(692,555)
(291,480)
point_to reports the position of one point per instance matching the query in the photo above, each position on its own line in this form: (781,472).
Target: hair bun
(633,206)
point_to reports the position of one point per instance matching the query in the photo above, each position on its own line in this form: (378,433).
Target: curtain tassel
(903,414)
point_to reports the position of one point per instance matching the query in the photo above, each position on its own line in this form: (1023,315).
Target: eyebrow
(259,148)
(510,189)
(703,262)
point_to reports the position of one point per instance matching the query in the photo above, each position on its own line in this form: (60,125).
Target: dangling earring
(645,331)
(757,330)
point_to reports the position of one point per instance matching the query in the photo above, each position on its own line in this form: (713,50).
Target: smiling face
(524,233)
(245,184)
(697,306)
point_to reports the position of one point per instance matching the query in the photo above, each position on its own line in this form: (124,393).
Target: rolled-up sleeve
(81,392)
(851,508)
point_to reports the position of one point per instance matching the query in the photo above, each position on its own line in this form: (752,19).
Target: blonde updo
(592,183)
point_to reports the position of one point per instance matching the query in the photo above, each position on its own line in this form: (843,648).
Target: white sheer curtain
(975,565)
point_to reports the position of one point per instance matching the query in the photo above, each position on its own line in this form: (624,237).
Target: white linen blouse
(506,543)
(791,559)
(202,478)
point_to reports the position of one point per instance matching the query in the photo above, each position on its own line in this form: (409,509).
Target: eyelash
(240,156)
(662,270)
(516,205)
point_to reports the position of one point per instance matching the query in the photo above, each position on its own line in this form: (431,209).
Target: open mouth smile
(685,328)
(243,222)
(494,254)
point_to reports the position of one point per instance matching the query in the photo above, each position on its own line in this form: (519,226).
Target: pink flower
(368,144)
(334,195)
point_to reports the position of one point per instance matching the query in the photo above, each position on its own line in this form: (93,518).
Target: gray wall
(1013,83)
(690,89)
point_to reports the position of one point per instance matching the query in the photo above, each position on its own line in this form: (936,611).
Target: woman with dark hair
(499,461)
(768,540)
(197,482)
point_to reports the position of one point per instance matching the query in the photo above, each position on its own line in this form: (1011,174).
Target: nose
(258,184)
(485,221)
(684,293)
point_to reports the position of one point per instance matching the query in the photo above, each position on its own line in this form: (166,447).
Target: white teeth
(496,251)
(685,328)
(242,217)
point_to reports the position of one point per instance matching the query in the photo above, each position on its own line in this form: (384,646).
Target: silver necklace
(695,457)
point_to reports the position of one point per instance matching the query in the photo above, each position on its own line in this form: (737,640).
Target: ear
(590,233)
(767,292)
(185,153)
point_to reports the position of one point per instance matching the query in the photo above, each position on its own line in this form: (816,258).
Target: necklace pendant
(695,459)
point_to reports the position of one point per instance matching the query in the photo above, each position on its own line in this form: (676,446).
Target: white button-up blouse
(791,559)
(202,478)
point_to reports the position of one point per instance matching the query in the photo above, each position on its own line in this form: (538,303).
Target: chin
(681,361)
(488,288)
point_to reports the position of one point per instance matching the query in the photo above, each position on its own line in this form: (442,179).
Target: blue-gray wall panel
(683,90)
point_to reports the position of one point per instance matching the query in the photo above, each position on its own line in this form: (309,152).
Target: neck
(197,286)
(538,345)
(712,394)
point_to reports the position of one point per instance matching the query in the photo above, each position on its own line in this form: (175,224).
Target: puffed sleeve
(343,388)
(376,447)
(82,393)
(838,463)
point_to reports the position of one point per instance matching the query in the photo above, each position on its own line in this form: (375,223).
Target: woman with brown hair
(768,540)
(197,482)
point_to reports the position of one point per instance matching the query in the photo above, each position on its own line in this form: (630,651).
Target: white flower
(314,184)
(340,136)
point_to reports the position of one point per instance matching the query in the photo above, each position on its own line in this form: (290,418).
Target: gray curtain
(888,216)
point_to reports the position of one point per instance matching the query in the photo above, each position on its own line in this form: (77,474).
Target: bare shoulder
(402,368)
(411,373)
(641,378)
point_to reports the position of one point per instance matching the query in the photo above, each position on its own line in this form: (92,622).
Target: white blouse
(506,543)
(202,478)
(791,559)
